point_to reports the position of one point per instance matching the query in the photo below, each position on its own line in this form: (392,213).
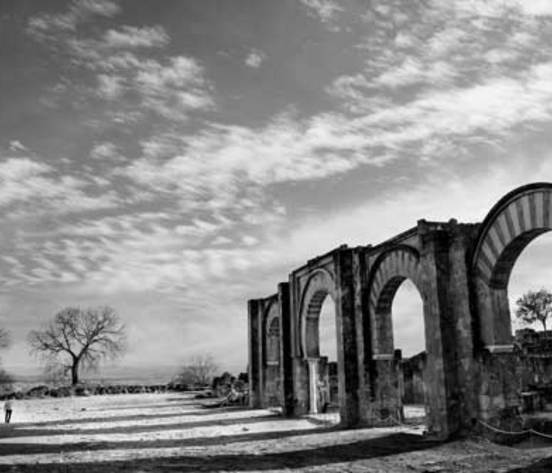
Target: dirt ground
(173,433)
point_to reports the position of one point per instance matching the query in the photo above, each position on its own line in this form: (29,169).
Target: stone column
(313,385)
(347,352)
(459,290)
(364,341)
(254,317)
(286,363)
(441,376)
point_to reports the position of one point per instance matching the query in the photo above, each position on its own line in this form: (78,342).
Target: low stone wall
(44,391)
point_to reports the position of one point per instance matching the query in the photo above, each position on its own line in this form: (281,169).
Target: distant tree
(4,338)
(80,338)
(535,306)
(199,370)
(5,378)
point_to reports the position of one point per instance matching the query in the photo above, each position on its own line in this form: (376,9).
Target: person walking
(8,410)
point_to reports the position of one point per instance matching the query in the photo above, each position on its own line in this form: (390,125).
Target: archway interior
(409,337)
(532,271)
(272,378)
(327,382)
(273,343)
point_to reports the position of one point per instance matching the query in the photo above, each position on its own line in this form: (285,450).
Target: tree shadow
(72,421)
(25,432)
(361,450)
(541,466)
(34,448)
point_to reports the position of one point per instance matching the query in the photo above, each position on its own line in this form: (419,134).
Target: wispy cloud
(16,145)
(45,25)
(122,62)
(107,151)
(27,184)
(135,37)
(255,58)
(326,10)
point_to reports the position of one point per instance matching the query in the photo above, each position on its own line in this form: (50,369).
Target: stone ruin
(461,271)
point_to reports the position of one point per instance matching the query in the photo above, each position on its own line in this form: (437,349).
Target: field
(171,432)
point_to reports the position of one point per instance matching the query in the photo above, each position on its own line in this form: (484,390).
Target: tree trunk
(544,324)
(75,372)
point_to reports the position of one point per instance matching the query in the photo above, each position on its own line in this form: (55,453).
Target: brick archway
(517,219)
(271,378)
(390,270)
(320,285)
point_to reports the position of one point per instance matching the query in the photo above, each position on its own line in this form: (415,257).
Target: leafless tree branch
(84,336)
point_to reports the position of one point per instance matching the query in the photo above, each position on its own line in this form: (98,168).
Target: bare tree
(5,379)
(199,370)
(4,338)
(80,338)
(535,306)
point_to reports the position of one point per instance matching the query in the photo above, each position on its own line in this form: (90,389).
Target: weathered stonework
(461,272)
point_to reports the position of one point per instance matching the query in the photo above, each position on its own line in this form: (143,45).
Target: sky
(175,159)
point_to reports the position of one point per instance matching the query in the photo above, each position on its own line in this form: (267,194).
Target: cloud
(173,89)
(412,71)
(255,58)
(325,10)
(216,159)
(122,63)
(16,145)
(46,26)
(498,8)
(106,151)
(135,37)
(27,184)
(110,86)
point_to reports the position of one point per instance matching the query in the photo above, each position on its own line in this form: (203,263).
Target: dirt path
(165,433)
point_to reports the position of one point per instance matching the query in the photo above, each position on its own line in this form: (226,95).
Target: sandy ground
(170,432)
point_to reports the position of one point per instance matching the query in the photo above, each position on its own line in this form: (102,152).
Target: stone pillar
(255,366)
(461,237)
(364,336)
(313,385)
(300,386)
(441,369)
(347,352)
(286,363)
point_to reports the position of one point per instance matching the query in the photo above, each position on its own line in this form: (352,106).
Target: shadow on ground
(541,466)
(21,431)
(362,450)
(34,448)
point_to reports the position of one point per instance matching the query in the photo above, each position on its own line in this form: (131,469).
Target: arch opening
(272,376)
(329,382)
(409,341)
(397,322)
(321,354)
(532,273)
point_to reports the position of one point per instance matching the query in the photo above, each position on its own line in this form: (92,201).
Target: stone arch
(272,335)
(319,285)
(271,354)
(514,221)
(389,271)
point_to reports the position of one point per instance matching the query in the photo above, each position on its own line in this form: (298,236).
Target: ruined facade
(461,272)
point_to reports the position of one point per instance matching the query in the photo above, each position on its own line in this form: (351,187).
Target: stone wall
(413,390)
(534,350)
